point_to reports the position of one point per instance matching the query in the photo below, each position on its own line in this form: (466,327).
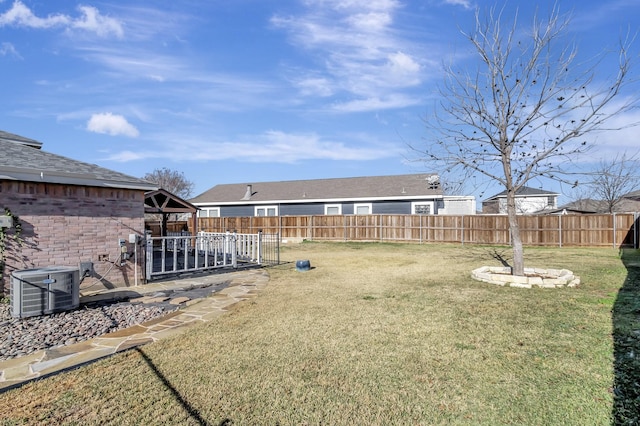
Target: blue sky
(247,91)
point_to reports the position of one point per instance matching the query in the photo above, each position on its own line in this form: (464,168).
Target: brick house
(68,212)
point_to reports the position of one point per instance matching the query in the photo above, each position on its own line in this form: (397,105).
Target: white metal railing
(180,252)
(176,241)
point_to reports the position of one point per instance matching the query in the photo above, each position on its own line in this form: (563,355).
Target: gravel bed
(22,336)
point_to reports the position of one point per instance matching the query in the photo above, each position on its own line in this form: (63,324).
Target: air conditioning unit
(44,291)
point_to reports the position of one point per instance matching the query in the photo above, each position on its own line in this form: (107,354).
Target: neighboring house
(400,194)
(582,206)
(528,200)
(635,195)
(69,212)
(629,203)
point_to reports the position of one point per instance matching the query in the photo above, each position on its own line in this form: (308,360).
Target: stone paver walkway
(242,285)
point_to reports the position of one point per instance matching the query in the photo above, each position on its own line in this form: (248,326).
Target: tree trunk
(514,230)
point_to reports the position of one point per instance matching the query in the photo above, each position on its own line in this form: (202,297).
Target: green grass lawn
(379,334)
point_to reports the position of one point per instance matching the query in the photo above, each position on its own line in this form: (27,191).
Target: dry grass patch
(373,334)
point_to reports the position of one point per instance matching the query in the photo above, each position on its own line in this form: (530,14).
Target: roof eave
(320,200)
(70,179)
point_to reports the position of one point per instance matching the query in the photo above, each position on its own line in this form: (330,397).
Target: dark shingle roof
(635,195)
(585,205)
(525,191)
(10,137)
(371,187)
(23,160)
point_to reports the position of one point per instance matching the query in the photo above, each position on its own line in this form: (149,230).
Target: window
(551,201)
(362,208)
(266,211)
(209,212)
(332,209)
(422,207)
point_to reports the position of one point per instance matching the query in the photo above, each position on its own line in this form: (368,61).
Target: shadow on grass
(626,340)
(193,412)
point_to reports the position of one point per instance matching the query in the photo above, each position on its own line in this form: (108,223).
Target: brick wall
(63,225)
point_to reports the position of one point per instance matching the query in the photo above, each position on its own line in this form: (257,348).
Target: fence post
(462,232)
(613,218)
(560,230)
(636,216)
(148,255)
(260,247)
(344,228)
(227,244)
(234,250)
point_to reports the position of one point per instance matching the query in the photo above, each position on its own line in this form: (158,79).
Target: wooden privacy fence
(602,230)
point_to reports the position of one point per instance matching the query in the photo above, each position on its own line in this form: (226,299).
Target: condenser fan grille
(44,291)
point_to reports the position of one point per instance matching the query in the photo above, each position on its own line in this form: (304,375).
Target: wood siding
(605,230)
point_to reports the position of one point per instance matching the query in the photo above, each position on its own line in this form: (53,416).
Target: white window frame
(216,210)
(328,206)
(369,206)
(431,205)
(266,210)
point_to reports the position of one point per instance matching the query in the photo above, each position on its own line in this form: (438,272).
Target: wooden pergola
(165,203)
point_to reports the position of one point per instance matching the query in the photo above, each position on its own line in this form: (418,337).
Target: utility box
(6,221)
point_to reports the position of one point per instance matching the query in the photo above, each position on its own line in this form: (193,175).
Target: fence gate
(180,252)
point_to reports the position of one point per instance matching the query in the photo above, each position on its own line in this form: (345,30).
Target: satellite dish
(433,180)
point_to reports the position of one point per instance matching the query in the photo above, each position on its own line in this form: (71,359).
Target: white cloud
(111,124)
(8,49)
(464,3)
(273,146)
(375,103)
(372,21)
(359,51)
(126,156)
(315,86)
(21,16)
(401,63)
(90,20)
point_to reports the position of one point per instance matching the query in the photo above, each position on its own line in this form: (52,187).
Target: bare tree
(172,181)
(613,179)
(526,111)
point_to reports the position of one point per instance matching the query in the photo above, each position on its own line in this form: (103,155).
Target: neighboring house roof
(23,160)
(584,206)
(629,203)
(10,137)
(369,188)
(525,191)
(635,195)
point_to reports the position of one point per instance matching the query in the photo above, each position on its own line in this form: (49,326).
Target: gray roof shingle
(22,160)
(371,187)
